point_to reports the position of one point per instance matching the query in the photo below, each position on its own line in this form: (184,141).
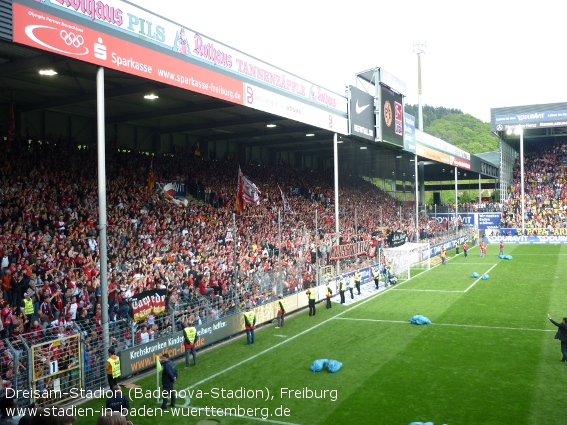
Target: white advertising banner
(437,143)
(274,103)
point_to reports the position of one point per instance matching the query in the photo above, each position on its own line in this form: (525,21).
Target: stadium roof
(73,92)
(493,157)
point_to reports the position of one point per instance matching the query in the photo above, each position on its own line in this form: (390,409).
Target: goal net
(406,261)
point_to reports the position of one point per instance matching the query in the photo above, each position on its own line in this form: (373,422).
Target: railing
(443,209)
(29,358)
(56,369)
(14,368)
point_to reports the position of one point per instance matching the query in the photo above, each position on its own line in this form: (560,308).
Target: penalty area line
(426,290)
(476,281)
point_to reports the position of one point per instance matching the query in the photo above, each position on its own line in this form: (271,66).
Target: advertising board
(526,117)
(409,133)
(391,117)
(361,113)
(121,36)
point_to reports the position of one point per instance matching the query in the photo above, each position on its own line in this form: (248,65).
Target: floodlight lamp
(518,130)
(363,147)
(309,135)
(151,96)
(270,125)
(48,72)
(419,47)
(509,131)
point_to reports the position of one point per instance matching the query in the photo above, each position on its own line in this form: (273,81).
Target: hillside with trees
(455,127)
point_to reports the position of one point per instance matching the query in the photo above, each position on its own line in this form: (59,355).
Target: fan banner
(148,302)
(396,239)
(340,252)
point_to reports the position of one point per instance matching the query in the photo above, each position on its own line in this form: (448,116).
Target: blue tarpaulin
(419,320)
(334,366)
(318,365)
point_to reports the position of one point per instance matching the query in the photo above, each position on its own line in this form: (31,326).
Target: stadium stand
(49,246)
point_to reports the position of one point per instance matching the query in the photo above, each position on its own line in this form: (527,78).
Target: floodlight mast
(518,130)
(419,49)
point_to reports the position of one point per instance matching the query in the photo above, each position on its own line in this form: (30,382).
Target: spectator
(118,402)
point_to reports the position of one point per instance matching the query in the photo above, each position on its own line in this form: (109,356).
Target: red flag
(11,124)
(151,181)
(240,202)
(247,191)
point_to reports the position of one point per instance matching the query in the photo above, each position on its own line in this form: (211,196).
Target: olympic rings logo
(71,39)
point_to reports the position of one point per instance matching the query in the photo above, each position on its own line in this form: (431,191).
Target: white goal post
(407,260)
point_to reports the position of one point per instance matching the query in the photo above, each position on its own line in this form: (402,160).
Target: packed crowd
(50,247)
(545,189)
(468,207)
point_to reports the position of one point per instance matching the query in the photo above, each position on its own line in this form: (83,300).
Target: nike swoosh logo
(359,109)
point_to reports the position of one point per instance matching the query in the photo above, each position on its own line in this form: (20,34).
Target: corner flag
(158,370)
(158,364)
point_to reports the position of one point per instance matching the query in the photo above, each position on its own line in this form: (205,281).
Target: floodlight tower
(419,49)
(520,131)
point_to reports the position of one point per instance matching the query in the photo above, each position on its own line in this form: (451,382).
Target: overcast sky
(480,54)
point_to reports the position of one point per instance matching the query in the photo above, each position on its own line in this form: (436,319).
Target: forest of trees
(455,127)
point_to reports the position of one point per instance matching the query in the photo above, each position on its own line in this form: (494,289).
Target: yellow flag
(158,364)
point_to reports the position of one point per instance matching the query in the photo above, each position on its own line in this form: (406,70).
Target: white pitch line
(451,324)
(273,347)
(533,255)
(426,290)
(475,282)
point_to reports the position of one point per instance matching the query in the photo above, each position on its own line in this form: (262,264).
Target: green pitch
(489,356)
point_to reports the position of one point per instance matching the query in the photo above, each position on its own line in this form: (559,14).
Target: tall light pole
(456,207)
(336,174)
(419,49)
(520,131)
